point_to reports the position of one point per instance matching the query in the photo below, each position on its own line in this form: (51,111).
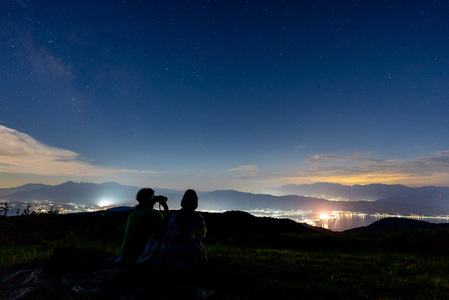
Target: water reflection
(338,220)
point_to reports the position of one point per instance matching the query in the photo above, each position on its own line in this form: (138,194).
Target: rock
(30,284)
(107,283)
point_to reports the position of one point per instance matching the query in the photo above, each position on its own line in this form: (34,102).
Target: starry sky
(244,95)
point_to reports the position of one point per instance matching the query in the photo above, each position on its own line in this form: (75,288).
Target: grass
(333,274)
(12,256)
(27,239)
(404,265)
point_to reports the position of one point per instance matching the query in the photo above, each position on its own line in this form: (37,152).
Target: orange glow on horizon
(437,179)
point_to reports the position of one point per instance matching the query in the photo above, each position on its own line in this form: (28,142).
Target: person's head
(144,196)
(189,200)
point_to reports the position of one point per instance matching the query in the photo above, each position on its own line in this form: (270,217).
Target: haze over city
(213,95)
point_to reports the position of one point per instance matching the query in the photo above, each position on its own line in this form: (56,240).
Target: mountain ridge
(425,200)
(372,192)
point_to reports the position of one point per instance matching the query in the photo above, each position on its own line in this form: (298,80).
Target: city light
(324,216)
(105,202)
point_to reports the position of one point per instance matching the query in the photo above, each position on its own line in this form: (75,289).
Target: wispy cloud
(22,154)
(356,156)
(245,168)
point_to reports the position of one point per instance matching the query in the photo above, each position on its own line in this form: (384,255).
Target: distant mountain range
(375,198)
(426,196)
(71,192)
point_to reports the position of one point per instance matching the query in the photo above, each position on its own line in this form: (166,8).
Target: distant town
(339,220)
(332,220)
(44,206)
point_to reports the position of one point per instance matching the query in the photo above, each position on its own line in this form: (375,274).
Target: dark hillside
(109,227)
(71,257)
(238,223)
(389,225)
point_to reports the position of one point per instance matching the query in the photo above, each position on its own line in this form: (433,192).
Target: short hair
(144,195)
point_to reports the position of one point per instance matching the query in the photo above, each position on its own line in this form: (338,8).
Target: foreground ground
(257,262)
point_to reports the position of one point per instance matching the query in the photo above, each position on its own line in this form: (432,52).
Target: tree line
(5,207)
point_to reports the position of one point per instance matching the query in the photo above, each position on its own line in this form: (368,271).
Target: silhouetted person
(143,223)
(181,249)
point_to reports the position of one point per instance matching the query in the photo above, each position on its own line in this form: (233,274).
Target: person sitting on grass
(181,248)
(143,223)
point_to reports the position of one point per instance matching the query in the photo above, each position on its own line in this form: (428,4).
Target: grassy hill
(261,257)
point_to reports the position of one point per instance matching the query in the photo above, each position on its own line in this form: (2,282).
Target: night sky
(243,95)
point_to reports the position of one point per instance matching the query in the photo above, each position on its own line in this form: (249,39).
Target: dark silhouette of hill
(388,225)
(76,272)
(73,272)
(238,223)
(119,209)
(226,224)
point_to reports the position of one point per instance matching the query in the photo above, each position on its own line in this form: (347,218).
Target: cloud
(356,156)
(432,169)
(245,168)
(321,157)
(22,154)
(438,162)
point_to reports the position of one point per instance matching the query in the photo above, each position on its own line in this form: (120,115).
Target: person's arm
(164,204)
(204,229)
(201,229)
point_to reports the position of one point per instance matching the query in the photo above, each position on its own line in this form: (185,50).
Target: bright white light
(324,216)
(104,202)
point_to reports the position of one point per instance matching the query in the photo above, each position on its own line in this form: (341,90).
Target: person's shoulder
(156,214)
(133,212)
(198,216)
(172,216)
(148,212)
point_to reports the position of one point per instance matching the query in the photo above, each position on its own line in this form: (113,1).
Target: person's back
(142,223)
(181,248)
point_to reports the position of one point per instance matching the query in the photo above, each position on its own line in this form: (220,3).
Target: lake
(338,221)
